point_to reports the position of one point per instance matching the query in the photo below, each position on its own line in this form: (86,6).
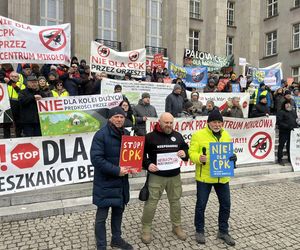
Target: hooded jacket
(201,139)
(174,104)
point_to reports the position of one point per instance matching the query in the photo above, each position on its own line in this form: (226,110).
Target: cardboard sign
(132,151)
(242,61)
(158,61)
(220,165)
(289,80)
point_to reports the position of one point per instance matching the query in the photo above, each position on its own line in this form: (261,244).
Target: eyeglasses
(14,76)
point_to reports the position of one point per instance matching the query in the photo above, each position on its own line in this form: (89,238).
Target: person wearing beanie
(142,111)
(44,87)
(211,86)
(287,97)
(262,90)
(174,101)
(110,185)
(233,108)
(200,155)
(197,105)
(261,108)
(188,110)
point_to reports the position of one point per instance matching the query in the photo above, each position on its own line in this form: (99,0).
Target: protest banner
(24,43)
(167,161)
(5,110)
(40,162)
(271,75)
(220,165)
(295,149)
(117,63)
(193,77)
(132,151)
(220,100)
(158,61)
(75,114)
(212,62)
(297,102)
(150,61)
(242,61)
(253,138)
(133,91)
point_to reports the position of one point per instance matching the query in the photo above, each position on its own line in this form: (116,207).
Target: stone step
(85,189)
(65,206)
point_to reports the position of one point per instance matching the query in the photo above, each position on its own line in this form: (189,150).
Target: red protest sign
(158,61)
(132,151)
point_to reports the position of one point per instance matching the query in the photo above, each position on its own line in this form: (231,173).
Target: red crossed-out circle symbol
(103,51)
(53,38)
(1,93)
(25,155)
(134,56)
(260,145)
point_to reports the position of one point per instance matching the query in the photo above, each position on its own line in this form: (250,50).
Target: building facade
(262,31)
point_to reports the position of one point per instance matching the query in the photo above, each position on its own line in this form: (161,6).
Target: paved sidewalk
(263,217)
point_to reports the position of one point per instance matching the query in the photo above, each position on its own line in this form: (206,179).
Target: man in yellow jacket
(199,154)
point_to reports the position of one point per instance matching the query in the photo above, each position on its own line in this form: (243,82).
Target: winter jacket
(286,120)
(174,104)
(201,139)
(233,112)
(260,109)
(139,112)
(109,189)
(158,142)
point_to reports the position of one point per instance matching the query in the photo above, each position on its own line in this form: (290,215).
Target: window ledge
(231,26)
(270,17)
(295,7)
(267,57)
(294,50)
(198,19)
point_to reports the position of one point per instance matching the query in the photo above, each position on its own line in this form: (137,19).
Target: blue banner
(220,165)
(235,88)
(297,101)
(193,77)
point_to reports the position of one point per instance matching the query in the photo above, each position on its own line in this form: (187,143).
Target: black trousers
(284,138)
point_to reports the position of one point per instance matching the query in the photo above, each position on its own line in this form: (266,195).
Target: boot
(200,238)
(121,244)
(226,238)
(146,237)
(177,230)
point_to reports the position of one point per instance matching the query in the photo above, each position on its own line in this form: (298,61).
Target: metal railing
(151,50)
(111,44)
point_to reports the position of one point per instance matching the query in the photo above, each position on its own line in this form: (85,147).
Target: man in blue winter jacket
(111,186)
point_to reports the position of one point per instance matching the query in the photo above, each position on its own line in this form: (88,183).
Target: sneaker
(179,233)
(120,243)
(226,238)
(200,238)
(146,237)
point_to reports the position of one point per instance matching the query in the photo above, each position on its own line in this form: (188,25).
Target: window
(229,45)
(230,13)
(154,23)
(271,43)
(195,9)
(51,12)
(296,36)
(272,8)
(194,39)
(107,19)
(297,3)
(296,73)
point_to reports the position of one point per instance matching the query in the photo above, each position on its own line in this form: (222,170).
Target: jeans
(100,225)
(284,137)
(223,193)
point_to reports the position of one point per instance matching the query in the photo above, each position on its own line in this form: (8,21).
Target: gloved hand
(233,158)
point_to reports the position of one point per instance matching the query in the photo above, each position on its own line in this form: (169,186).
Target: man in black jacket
(163,147)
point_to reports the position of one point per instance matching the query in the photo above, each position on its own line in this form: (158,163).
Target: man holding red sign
(164,148)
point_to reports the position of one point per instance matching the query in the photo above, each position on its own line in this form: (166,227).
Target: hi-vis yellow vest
(13,94)
(55,93)
(265,92)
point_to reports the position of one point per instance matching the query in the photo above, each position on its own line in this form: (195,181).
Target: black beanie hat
(116,111)
(215,115)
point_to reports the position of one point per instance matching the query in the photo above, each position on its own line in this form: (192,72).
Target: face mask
(289,108)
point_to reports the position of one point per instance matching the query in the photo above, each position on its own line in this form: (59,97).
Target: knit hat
(215,115)
(26,66)
(31,78)
(41,78)
(188,105)
(262,84)
(261,97)
(211,80)
(287,92)
(116,111)
(177,86)
(145,95)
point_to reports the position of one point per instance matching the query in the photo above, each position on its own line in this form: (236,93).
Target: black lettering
(1,184)
(47,160)
(20,176)
(40,179)
(50,175)
(90,169)
(63,152)
(29,181)
(81,172)
(69,172)
(11,183)
(59,175)
(79,149)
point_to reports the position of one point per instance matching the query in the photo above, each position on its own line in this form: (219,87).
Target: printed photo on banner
(25,43)
(220,165)
(132,150)
(75,114)
(5,110)
(193,77)
(167,161)
(105,59)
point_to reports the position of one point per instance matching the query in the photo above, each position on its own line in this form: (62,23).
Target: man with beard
(164,143)
(199,154)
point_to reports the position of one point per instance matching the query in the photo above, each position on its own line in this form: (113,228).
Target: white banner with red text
(25,43)
(5,111)
(105,59)
(41,162)
(253,138)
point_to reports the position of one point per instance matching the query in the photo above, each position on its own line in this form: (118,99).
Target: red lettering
(58,105)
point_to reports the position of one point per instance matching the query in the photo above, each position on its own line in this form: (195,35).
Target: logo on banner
(1,93)
(260,145)
(197,75)
(25,155)
(103,51)
(53,38)
(133,56)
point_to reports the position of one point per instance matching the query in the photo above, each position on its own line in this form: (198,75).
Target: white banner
(4,104)
(253,138)
(40,162)
(117,63)
(220,100)
(24,43)
(133,91)
(295,149)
